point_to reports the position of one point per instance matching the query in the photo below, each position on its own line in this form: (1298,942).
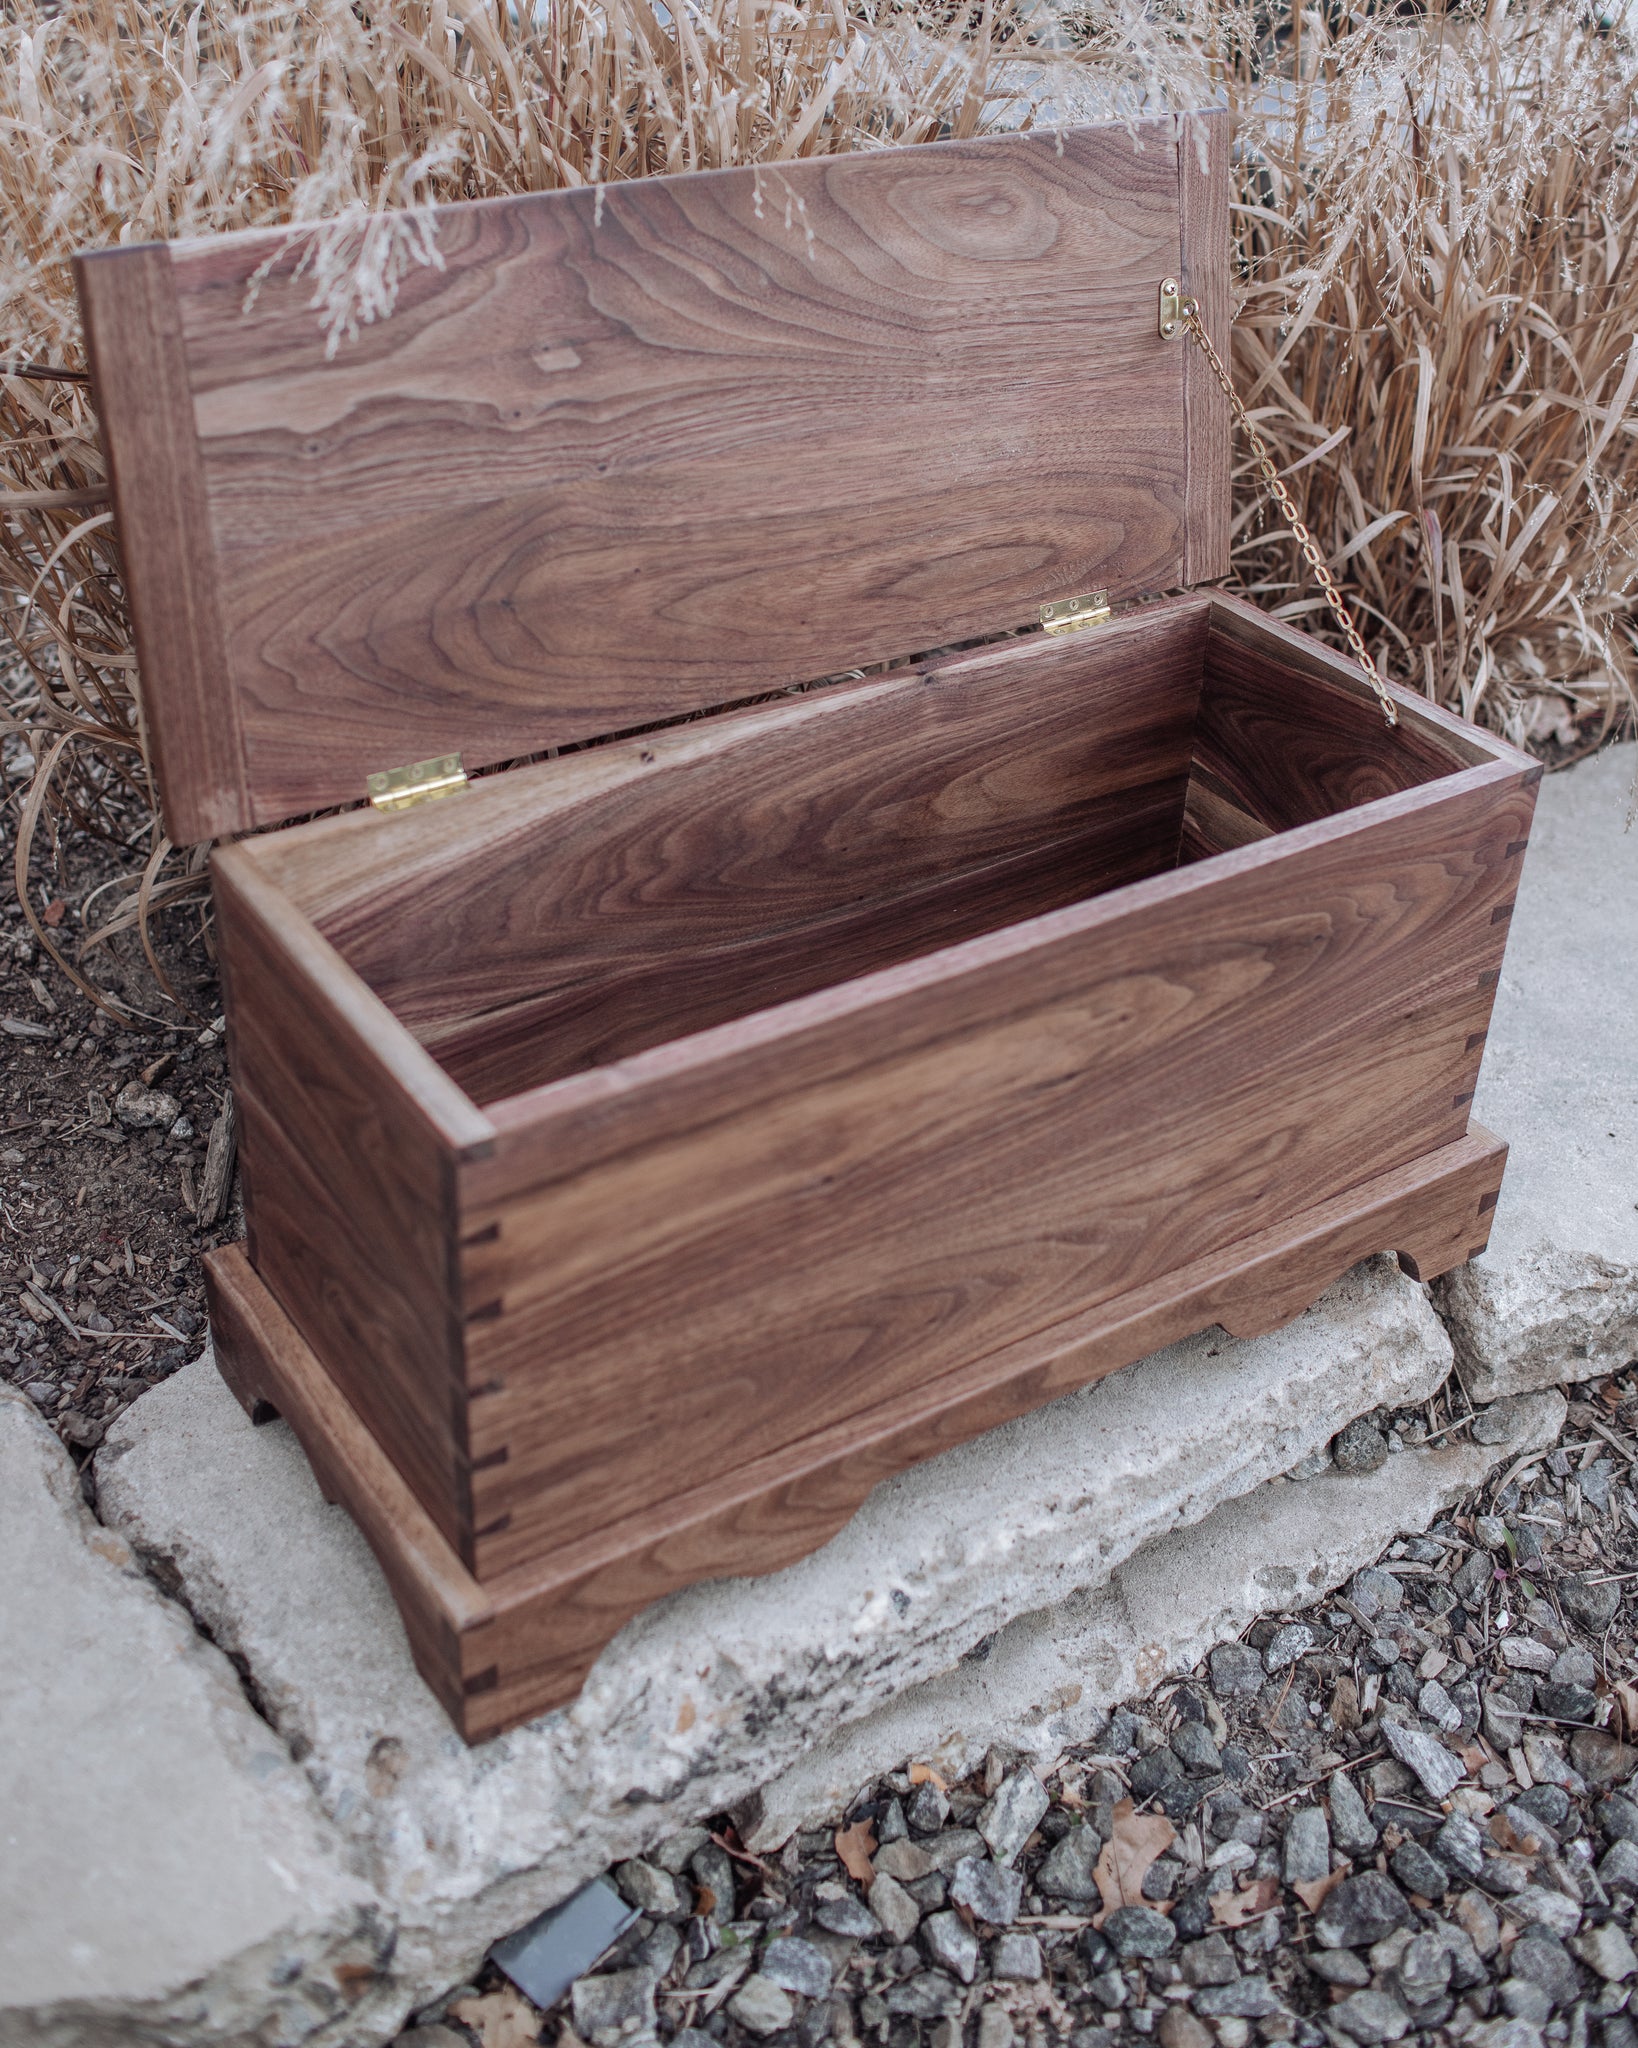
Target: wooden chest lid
(624,454)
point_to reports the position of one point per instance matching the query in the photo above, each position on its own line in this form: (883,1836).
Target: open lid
(625,453)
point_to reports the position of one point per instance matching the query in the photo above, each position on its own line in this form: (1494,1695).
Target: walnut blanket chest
(757,1084)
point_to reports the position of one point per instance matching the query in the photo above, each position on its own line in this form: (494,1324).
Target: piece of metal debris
(544,1958)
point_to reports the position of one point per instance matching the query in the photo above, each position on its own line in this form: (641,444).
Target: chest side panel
(619,455)
(747,1253)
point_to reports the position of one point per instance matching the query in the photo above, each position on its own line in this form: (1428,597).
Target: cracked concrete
(1555,1296)
(708,1694)
(171,1874)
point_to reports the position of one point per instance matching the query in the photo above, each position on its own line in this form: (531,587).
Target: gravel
(1468,1860)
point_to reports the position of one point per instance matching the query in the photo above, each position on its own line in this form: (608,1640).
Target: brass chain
(1276,489)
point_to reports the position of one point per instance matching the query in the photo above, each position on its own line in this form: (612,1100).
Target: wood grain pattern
(1203,209)
(575,920)
(630,453)
(346,1132)
(723,1258)
(501,1653)
(133,333)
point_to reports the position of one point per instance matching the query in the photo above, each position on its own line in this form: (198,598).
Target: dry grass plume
(1435,224)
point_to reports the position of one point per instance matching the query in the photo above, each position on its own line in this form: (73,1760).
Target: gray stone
(894,1908)
(1109,1989)
(1439,1771)
(1286,1645)
(907,1861)
(1209,1960)
(989,1892)
(951,1943)
(1360,1910)
(1009,1819)
(1236,1671)
(1437,1706)
(1352,1829)
(1133,1931)
(1590,1603)
(1421,1874)
(995,2028)
(1496,1423)
(1619,1869)
(927,1809)
(162,1851)
(1536,1906)
(1509,2033)
(761,2006)
(1195,1750)
(1370,2017)
(1361,1447)
(796,1965)
(1460,1845)
(1491,1531)
(1524,1999)
(1544,1961)
(1555,1295)
(1574,1666)
(1247,1998)
(146,1109)
(713,1869)
(677,1851)
(954,1846)
(652,1890)
(1424,1967)
(1306,1854)
(1618,1817)
(1018,1957)
(847,1916)
(929,1996)
(619,2002)
(1376,1592)
(1066,1871)
(1607,1950)
(1339,1966)
(1476,1917)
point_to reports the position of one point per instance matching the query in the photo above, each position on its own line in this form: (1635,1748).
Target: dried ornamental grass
(1433,224)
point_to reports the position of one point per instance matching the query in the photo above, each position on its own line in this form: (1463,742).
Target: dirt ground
(101,1291)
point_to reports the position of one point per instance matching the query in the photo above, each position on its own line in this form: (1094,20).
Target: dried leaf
(924,1774)
(53,912)
(856,1845)
(500,2019)
(1135,1840)
(1235,1909)
(1313,1892)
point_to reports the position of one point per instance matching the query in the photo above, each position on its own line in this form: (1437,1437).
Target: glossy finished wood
(803,1193)
(634,452)
(503,1651)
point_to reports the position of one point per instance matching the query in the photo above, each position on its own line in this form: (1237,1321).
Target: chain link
(1282,497)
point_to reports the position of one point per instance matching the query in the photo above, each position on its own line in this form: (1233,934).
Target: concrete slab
(1049,1679)
(1555,1296)
(709,1694)
(165,1870)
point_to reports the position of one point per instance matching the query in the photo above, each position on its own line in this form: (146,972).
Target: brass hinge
(395,789)
(1070,614)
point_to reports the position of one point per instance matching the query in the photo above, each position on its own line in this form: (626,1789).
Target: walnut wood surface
(980,1144)
(500,1653)
(564,921)
(1203,205)
(345,1136)
(133,334)
(627,453)
(794,1219)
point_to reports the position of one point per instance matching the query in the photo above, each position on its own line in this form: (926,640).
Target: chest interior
(567,915)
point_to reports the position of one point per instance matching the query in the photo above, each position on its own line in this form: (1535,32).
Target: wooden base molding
(501,1652)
